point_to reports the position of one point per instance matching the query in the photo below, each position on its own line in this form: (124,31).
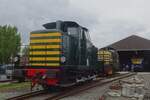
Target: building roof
(131,43)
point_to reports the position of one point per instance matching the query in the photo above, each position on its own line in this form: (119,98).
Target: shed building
(134,53)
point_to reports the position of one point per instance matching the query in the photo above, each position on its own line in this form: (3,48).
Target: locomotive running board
(83,79)
(67,85)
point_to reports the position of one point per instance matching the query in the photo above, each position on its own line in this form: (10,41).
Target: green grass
(11,86)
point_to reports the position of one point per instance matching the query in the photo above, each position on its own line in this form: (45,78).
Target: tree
(10,41)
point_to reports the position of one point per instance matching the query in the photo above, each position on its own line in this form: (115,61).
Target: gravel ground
(95,93)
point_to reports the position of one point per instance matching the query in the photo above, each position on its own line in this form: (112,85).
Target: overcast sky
(107,20)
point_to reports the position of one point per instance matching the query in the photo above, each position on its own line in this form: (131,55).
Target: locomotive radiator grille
(45,53)
(45,49)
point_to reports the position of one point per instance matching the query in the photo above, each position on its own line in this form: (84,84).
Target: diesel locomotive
(108,57)
(61,55)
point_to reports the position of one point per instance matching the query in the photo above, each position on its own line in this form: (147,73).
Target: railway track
(27,95)
(68,91)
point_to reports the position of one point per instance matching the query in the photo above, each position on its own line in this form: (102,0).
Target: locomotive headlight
(63,59)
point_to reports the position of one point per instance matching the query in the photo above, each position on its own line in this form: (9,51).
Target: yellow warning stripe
(44,34)
(45,64)
(45,40)
(44,52)
(45,46)
(104,52)
(44,58)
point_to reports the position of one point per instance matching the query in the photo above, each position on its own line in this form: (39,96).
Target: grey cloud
(110,31)
(108,21)
(30,15)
